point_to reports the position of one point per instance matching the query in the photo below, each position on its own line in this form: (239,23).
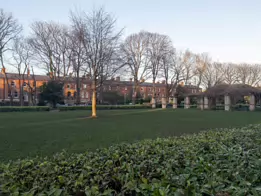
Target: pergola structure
(228,94)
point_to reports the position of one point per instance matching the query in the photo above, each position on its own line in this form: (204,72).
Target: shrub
(104,107)
(218,162)
(24,108)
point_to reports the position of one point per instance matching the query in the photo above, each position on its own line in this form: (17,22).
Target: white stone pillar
(227,103)
(175,103)
(187,103)
(201,103)
(153,102)
(252,103)
(206,104)
(169,99)
(163,103)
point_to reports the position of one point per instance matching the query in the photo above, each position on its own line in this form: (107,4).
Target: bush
(240,107)
(104,107)
(218,162)
(24,108)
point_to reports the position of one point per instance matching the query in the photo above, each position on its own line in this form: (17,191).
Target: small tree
(51,92)
(112,97)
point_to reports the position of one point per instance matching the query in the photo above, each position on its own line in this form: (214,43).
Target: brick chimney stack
(118,78)
(28,72)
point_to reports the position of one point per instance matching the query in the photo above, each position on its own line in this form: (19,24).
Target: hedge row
(24,109)
(104,107)
(219,162)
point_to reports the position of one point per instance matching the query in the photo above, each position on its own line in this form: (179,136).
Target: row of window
(24,84)
(16,94)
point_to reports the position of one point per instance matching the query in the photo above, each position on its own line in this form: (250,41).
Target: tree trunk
(78,89)
(20,93)
(134,93)
(94,111)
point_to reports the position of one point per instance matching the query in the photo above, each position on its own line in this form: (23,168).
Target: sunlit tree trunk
(94,109)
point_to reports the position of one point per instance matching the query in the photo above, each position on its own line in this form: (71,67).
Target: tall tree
(177,67)
(248,74)
(22,55)
(158,48)
(51,43)
(100,41)
(9,30)
(135,54)
(213,75)
(202,61)
(229,73)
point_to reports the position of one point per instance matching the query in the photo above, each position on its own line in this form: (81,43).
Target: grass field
(44,133)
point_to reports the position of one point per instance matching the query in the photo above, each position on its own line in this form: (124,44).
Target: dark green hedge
(219,162)
(104,107)
(24,108)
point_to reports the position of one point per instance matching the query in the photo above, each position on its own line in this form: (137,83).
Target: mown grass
(45,133)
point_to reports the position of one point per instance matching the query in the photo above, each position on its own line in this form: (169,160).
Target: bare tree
(51,43)
(78,61)
(100,42)
(21,54)
(135,54)
(9,30)
(213,75)
(177,67)
(158,48)
(248,74)
(202,61)
(229,73)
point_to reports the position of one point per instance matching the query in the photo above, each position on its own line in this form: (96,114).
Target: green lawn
(44,133)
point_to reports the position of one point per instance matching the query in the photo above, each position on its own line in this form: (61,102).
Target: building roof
(234,90)
(15,76)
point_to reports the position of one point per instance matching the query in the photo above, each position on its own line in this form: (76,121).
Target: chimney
(130,79)
(158,82)
(118,78)
(28,72)
(3,70)
(163,82)
(112,79)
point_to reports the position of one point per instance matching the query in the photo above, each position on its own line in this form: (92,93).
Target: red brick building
(115,84)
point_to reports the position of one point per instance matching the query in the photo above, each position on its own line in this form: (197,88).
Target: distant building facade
(124,88)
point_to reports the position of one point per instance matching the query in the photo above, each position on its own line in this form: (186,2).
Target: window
(16,94)
(126,88)
(69,94)
(159,89)
(84,86)
(68,86)
(117,87)
(87,95)
(109,88)
(149,89)
(141,89)
(75,94)
(12,83)
(24,84)
(83,95)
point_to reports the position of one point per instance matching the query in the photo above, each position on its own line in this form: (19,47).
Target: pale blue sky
(229,30)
